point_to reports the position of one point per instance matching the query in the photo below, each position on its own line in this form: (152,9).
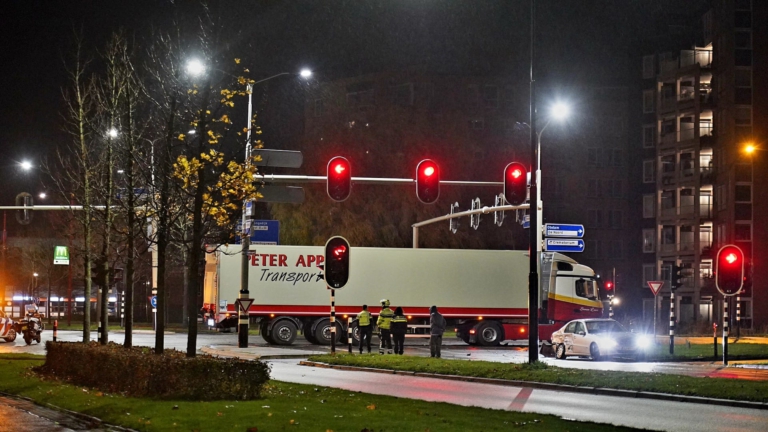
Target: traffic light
(609,287)
(339,179)
(427,181)
(336,262)
(729,270)
(677,276)
(515,183)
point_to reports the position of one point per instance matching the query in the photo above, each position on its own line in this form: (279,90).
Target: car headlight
(643,342)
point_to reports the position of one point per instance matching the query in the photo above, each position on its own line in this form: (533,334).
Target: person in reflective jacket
(399,327)
(384,321)
(365,328)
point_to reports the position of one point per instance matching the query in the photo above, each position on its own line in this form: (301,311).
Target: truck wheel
(11,336)
(323,332)
(263,331)
(594,352)
(489,334)
(560,352)
(283,332)
(308,334)
(355,334)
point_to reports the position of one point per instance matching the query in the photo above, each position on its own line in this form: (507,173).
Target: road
(419,347)
(638,413)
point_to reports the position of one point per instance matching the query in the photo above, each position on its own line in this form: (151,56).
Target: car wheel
(560,352)
(11,336)
(594,352)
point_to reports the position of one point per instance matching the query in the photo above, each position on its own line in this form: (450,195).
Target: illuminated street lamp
(25,165)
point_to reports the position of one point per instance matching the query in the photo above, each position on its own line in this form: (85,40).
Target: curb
(85,418)
(249,356)
(554,387)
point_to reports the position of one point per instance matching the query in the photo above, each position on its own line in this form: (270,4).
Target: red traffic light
(339,179)
(515,183)
(609,286)
(729,270)
(427,181)
(336,269)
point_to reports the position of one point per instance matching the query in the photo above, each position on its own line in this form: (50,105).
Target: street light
(25,165)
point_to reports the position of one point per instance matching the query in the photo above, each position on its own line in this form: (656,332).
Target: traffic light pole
(243,316)
(725,330)
(535,237)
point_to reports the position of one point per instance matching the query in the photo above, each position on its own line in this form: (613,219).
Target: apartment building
(701,107)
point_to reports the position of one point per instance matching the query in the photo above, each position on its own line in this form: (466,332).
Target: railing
(686,131)
(688,246)
(686,58)
(669,212)
(667,247)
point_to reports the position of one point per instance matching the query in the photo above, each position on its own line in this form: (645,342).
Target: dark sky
(578,40)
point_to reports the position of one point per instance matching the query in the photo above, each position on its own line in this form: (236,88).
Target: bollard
(349,334)
(725,331)
(714,329)
(55,330)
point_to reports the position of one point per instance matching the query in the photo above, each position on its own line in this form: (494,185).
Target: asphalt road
(638,413)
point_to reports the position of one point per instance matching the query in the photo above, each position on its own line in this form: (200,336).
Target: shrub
(139,372)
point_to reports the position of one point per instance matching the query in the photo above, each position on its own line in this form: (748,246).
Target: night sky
(578,40)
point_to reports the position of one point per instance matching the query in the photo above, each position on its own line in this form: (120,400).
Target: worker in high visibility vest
(365,328)
(384,322)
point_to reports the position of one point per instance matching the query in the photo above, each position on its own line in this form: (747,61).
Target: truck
(482,293)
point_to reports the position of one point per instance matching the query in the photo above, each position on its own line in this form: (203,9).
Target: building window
(745,5)
(649,71)
(743,193)
(319,107)
(491,96)
(721,197)
(649,240)
(616,158)
(593,156)
(648,101)
(615,218)
(477,124)
(649,273)
(649,206)
(742,232)
(595,218)
(743,116)
(649,136)
(617,189)
(617,250)
(743,39)
(649,174)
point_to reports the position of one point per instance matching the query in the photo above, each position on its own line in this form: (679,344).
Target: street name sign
(655,286)
(564,245)
(564,230)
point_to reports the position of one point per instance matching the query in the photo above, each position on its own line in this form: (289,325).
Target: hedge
(139,372)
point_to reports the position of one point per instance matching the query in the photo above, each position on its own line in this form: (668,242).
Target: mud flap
(547,349)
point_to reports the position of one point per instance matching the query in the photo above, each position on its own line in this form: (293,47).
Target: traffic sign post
(564,230)
(564,245)
(655,287)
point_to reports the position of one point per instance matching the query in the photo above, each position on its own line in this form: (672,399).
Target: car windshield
(597,327)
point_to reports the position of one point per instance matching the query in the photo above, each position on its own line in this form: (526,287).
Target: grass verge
(284,407)
(541,372)
(707,351)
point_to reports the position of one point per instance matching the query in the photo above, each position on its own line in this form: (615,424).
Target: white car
(7,330)
(598,338)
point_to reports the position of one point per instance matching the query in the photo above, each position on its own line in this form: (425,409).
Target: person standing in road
(437,327)
(399,326)
(365,328)
(384,322)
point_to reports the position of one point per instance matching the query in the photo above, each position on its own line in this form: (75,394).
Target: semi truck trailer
(482,293)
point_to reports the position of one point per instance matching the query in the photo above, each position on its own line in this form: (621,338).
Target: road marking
(522,397)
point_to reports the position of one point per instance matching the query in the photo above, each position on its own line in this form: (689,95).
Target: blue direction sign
(564,245)
(153,301)
(564,230)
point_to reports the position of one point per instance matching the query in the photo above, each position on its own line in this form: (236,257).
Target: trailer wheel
(283,332)
(355,334)
(263,330)
(489,334)
(323,331)
(306,328)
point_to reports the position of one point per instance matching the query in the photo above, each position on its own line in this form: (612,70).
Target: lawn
(284,407)
(541,372)
(703,351)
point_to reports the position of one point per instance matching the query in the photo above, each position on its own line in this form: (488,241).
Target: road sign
(153,301)
(564,245)
(264,232)
(564,230)
(249,208)
(244,304)
(61,255)
(278,158)
(655,286)
(282,194)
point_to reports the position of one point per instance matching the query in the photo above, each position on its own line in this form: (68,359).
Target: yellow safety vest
(385,317)
(364,318)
